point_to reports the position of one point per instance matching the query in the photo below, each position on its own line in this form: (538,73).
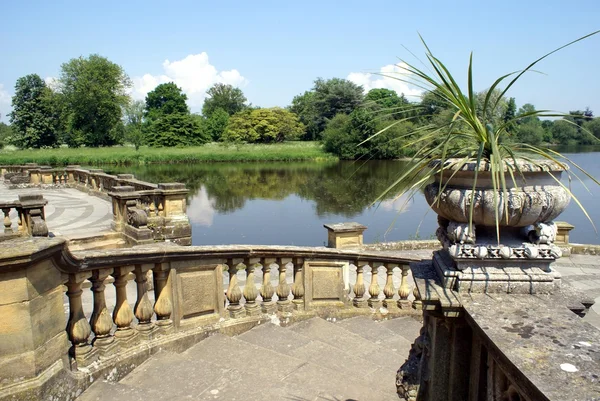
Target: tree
(166,99)
(95,93)
(177,129)
(593,126)
(509,114)
(216,123)
(134,116)
(263,125)
(226,97)
(565,132)
(168,120)
(328,98)
(5,134)
(304,107)
(32,119)
(388,101)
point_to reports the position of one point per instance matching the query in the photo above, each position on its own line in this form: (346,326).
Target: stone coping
(542,340)
(542,165)
(345,227)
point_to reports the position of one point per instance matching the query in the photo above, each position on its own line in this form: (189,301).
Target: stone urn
(533,196)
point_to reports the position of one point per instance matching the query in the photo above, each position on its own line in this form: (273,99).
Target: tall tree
(226,97)
(5,134)
(388,100)
(215,124)
(134,118)
(166,99)
(168,120)
(95,93)
(328,98)
(32,119)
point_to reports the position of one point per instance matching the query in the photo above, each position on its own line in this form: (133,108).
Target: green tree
(304,107)
(593,126)
(95,93)
(328,98)
(33,117)
(388,102)
(263,125)
(168,120)
(565,132)
(432,104)
(509,114)
(134,118)
(226,97)
(177,129)
(166,99)
(5,134)
(216,123)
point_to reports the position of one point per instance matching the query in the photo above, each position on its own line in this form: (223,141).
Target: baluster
(389,290)
(122,314)
(152,209)
(78,328)
(404,291)
(267,290)
(298,286)
(7,223)
(234,294)
(101,321)
(374,288)
(359,288)
(143,307)
(161,210)
(417,304)
(283,289)
(163,306)
(20,225)
(250,293)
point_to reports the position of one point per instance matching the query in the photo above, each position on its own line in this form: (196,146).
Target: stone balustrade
(28,217)
(143,212)
(194,291)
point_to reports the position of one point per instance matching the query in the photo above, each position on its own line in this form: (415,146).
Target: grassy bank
(123,155)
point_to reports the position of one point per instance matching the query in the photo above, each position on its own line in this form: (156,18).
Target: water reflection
(287,203)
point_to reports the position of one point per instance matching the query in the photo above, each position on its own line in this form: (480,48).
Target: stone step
(376,332)
(103,390)
(407,327)
(287,342)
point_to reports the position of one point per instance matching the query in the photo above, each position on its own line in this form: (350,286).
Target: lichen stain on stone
(522,331)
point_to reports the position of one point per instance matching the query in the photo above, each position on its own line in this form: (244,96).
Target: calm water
(288,203)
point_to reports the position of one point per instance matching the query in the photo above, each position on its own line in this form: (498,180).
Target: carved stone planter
(533,197)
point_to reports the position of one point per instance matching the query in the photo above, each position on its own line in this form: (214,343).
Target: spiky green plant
(471,135)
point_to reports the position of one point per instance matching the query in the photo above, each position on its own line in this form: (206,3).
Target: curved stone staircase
(315,359)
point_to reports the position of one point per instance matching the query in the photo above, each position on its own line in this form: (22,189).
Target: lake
(288,203)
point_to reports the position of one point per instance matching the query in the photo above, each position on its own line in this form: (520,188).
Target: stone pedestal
(344,235)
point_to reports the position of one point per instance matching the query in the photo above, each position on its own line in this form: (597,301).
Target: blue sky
(274,50)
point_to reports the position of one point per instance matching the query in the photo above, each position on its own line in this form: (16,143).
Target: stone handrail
(195,291)
(30,217)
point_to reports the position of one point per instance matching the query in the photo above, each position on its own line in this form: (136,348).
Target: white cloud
(194,75)
(386,78)
(5,103)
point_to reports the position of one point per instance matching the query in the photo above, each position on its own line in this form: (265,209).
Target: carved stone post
(417,304)
(388,290)
(359,287)
(404,291)
(250,293)
(143,307)
(78,328)
(267,290)
(234,293)
(163,305)
(298,286)
(122,314)
(374,288)
(101,321)
(283,289)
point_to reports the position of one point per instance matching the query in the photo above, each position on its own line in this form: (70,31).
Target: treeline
(88,105)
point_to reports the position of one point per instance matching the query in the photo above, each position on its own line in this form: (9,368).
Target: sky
(274,50)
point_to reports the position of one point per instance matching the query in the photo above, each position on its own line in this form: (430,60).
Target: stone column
(143,307)
(163,304)
(78,328)
(101,321)
(122,314)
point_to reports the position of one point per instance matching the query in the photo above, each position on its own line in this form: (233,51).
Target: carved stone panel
(324,284)
(198,293)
